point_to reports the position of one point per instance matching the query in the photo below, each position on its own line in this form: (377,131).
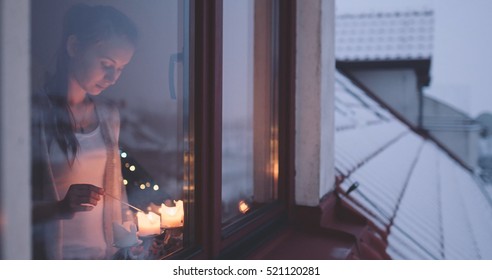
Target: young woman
(76,176)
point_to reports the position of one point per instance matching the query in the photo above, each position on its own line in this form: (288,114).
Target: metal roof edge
(420,66)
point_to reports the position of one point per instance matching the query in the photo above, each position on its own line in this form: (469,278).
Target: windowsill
(330,231)
(254,217)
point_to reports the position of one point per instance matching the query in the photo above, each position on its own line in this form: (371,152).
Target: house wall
(457,131)
(396,87)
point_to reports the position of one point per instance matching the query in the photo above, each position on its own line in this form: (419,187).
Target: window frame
(205,85)
(212,240)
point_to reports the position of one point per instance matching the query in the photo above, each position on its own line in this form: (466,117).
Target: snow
(435,208)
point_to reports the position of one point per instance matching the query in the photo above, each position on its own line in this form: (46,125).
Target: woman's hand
(80,197)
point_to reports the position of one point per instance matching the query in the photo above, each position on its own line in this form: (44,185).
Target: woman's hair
(89,24)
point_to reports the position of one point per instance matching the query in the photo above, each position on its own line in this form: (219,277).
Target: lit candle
(243,206)
(148,224)
(172,216)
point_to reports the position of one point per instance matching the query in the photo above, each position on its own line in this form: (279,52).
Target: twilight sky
(461,70)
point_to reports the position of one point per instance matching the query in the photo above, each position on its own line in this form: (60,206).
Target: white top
(82,236)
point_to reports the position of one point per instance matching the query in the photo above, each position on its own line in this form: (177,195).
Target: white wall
(315,172)
(15,169)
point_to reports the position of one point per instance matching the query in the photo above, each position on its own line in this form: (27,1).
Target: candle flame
(243,206)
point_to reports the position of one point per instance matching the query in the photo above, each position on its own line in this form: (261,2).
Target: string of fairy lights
(140,186)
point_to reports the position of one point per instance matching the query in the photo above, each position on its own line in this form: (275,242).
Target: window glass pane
(249,125)
(130,138)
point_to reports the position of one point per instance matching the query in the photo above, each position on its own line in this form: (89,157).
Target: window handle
(173,59)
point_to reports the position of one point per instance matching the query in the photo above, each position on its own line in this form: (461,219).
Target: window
(155,108)
(205,122)
(249,122)
(264,157)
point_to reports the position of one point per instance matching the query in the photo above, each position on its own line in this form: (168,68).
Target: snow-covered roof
(429,206)
(384,36)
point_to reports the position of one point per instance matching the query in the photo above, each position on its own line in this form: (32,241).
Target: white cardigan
(47,235)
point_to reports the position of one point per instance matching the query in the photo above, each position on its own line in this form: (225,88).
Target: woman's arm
(80,197)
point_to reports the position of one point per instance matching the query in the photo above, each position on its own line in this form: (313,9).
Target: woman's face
(98,66)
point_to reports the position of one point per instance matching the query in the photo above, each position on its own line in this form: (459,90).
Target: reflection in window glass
(129,130)
(249,161)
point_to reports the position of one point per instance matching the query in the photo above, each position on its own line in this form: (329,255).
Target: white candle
(172,216)
(148,224)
